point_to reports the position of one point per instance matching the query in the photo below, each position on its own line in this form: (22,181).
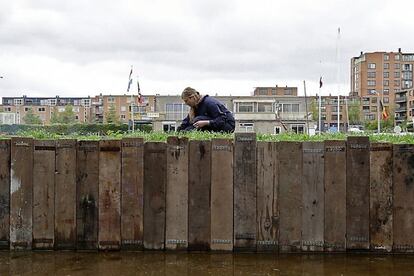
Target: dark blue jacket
(221,119)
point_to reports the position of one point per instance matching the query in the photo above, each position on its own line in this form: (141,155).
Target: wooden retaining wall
(219,195)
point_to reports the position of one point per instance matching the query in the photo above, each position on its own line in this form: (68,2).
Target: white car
(355,129)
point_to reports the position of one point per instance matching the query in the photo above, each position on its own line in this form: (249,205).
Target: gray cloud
(75,47)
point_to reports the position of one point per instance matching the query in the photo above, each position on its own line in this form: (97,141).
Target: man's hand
(201,124)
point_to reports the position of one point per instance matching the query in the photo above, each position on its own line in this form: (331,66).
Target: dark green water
(130,263)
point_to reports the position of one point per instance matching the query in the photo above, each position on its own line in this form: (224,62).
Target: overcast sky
(80,48)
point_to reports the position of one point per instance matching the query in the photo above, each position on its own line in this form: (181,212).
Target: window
(290,108)
(288,92)
(386,57)
(396,74)
(335,117)
(372,92)
(371,83)
(397,57)
(7,109)
(277,130)
(41,109)
(386,83)
(386,75)
(371,65)
(86,102)
(262,92)
(111,99)
(408,57)
(397,65)
(123,108)
(264,107)
(373,109)
(386,66)
(169,126)
(274,91)
(123,116)
(407,75)
(18,101)
(386,99)
(371,74)
(408,67)
(175,111)
(26,109)
(76,117)
(396,82)
(369,117)
(374,100)
(245,107)
(246,127)
(297,128)
(365,108)
(407,84)
(386,91)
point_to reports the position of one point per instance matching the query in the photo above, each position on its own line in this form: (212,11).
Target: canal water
(198,264)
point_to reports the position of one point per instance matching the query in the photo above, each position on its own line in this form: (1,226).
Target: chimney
(362,53)
(399,50)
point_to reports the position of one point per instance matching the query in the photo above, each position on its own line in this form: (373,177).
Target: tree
(354,113)
(315,110)
(32,119)
(111,117)
(65,117)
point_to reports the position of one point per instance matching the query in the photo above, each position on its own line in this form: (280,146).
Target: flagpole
(306,109)
(337,78)
(320,112)
(131,100)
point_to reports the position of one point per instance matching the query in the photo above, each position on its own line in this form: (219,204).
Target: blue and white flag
(129,80)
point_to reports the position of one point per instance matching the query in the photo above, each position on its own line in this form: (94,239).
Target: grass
(197,135)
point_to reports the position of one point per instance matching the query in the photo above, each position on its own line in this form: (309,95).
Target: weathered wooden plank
(199,190)
(87,194)
(176,224)
(222,195)
(155,178)
(335,196)
(109,234)
(65,194)
(403,210)
(21,193)
(313,212)
(4,194)
(132,203)
(381,197)
(290,196)
(43,194)
(245,192)
(267,198)
(357,193)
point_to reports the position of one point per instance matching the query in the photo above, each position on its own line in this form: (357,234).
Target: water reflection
(149,263)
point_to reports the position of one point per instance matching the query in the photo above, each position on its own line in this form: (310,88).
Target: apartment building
(404,106)
(262,114)
(382,73)
(15,114)
(143,112)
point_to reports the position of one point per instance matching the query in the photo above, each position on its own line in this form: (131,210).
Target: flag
(129,80)
(320,82)
(140,98)
(384,112)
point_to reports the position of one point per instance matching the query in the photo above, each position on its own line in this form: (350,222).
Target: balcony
(400,99)
(255,116)
(401,109)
